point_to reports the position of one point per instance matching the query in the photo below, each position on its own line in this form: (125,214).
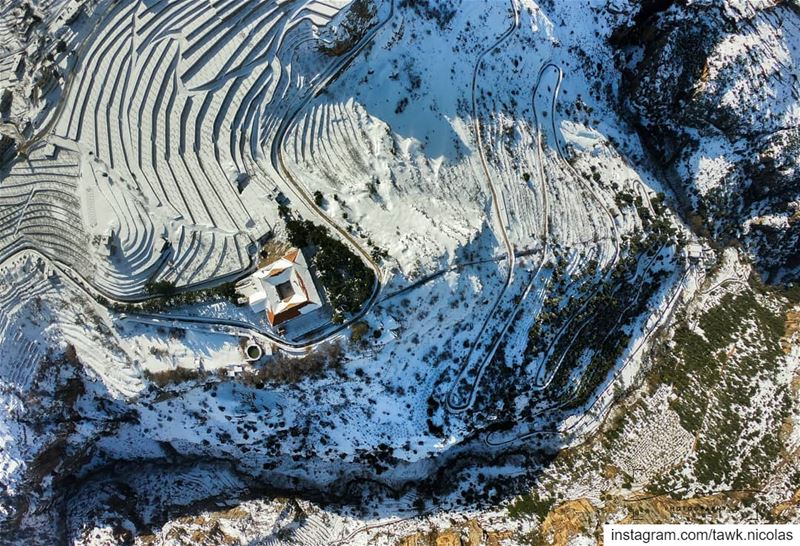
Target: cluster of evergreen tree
(347,280)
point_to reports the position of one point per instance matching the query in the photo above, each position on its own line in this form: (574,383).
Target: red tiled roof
(302,286)
(292,254)
(288,313)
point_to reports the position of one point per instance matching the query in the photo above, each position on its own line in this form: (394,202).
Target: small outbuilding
(694,252)
(106,243)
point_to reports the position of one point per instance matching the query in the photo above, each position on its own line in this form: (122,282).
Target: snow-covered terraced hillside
(41,313)
(42,317)
(444,144)
(174,103)
(41,208)
(447,131)
(7,35)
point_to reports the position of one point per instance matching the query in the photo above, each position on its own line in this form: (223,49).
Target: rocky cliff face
(714,89)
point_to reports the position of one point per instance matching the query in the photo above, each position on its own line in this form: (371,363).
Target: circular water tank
(253,351)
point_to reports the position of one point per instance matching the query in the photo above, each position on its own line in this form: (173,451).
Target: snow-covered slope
(524,247)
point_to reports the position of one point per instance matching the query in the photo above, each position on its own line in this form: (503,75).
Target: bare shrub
(71,354)
(287,369)
(358,331)
(170,377)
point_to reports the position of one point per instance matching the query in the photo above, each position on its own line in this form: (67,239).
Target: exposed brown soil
(469,534)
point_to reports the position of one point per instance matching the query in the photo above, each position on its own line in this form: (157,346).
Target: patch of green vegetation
(738,438)
(347,280)
(160,288)
(530,505)
(590,324)
(597,328)
(166,296)
(358,331)
(623,199)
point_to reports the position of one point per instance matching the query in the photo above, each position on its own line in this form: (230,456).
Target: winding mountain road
(455,401)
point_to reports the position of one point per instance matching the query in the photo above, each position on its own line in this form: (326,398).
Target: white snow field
(522,262)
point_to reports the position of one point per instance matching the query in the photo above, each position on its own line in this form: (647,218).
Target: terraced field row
(40,313)
(40,207)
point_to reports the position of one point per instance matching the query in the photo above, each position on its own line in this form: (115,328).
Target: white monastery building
(284,289)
